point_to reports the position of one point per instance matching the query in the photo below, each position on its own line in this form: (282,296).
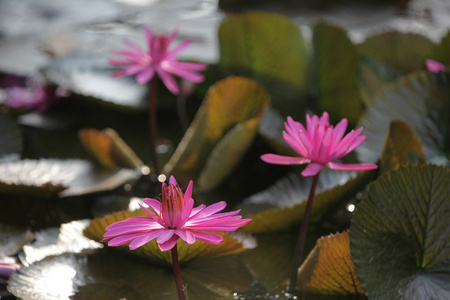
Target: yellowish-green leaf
(402,146)
(109,148)
(232,101)
(336,63)
(230,245)
(227,154)
(329,268)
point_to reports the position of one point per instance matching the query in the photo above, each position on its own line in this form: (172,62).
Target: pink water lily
(319,145)
(435,66)
(157,60)
(172,218)
(7,267)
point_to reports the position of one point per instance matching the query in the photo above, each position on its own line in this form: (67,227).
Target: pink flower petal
(145,75)
(169,244)
(312,169)
(284,160)
(210,238)
(434,66)
(141,241)
(168,81)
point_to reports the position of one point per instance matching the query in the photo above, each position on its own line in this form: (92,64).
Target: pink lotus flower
(159,59)
(319,145)
(173,218)
(435,66)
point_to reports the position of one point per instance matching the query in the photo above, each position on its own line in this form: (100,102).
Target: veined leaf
(400,235)
(329,268)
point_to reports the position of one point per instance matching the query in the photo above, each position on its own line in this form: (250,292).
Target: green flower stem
(302,236)
(177,273)
(152,125)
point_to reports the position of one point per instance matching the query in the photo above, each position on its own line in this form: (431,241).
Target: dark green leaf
(440,52)
(400,235)
(422,100)
(336,64)
(270,49)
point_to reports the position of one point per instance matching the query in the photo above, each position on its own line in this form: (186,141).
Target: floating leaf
(232,101)
(336,64)
(109,148)
(400,235)
(10,136)
(231,243)
(47,178)
(12,239)
(68,238)
(101,277)
(402,146)
(290,196)
(90,76)
(268,48)
(329,268)
(420,99)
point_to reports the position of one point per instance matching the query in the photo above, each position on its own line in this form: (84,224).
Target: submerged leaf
(109,148)
(270,49)
(232,101)
(232,243)
(336,63)
(329,268)
(402,146)
(400,235)
(422,100)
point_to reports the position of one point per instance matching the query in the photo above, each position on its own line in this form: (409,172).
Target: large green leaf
(231,243)
(389,55)
(270,49)
(90,76)
(422,100)
(336,64)
(289,196)
(232,101)
(400,235)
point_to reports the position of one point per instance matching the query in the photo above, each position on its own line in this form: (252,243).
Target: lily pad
(232,243)
(402,146)
(109,148)
(46,178)
(90,76)
(329,269)
(422,100)
(287,199)
(68,238)
(336,63)
(440,51)
(270,49)
(10,136)
(232,101)
(101,277)
(400,235)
